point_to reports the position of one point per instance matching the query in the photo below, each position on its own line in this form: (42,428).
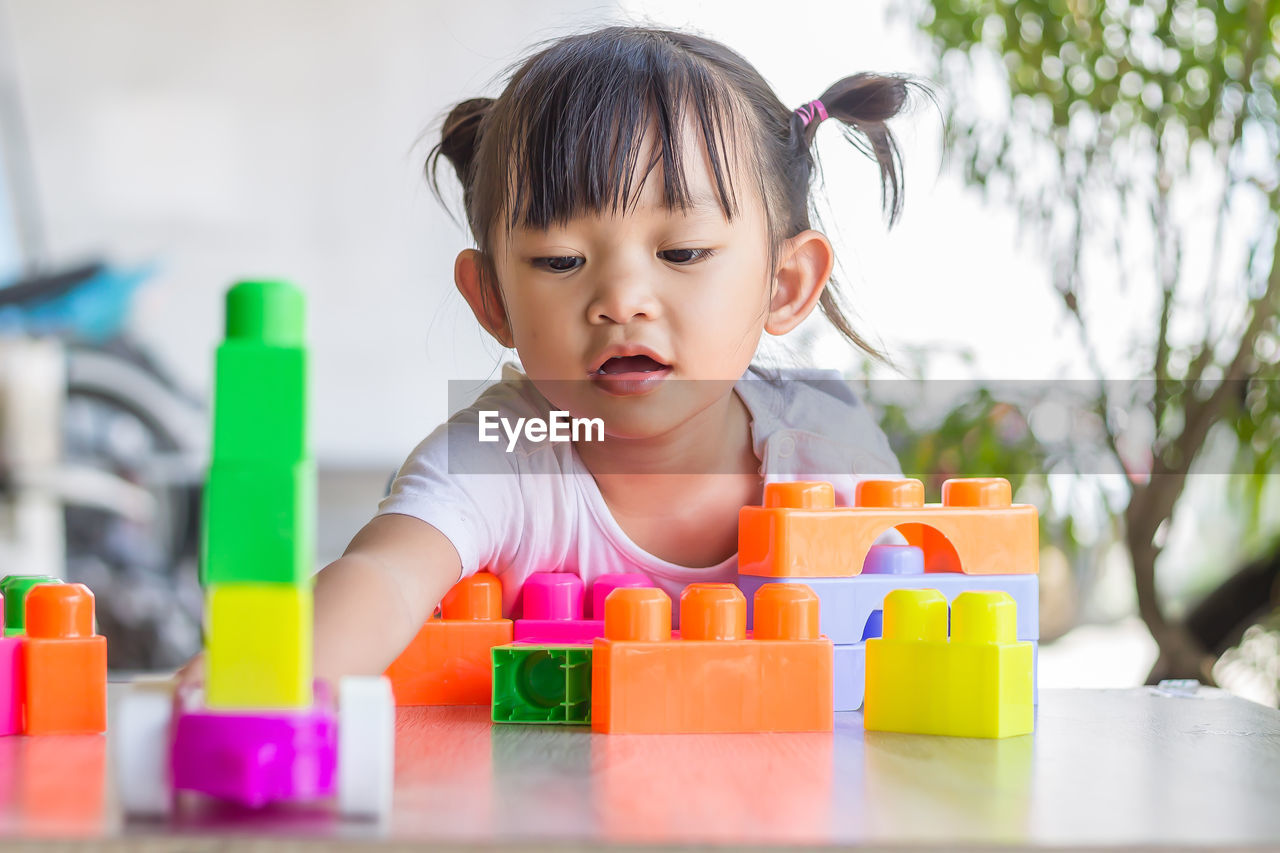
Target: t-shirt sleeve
(823,431)
(467,490)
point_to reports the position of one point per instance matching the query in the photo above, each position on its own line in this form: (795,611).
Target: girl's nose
(621,299)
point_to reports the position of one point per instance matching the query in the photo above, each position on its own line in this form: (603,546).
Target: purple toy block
(606,584)
(847,603)
(893,560)
(256,757)
(11,684)
(851,679)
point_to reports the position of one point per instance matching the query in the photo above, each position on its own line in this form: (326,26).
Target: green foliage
(1108,70)
(1103,112)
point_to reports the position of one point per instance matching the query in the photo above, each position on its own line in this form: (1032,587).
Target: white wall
(247,138)
(276,137)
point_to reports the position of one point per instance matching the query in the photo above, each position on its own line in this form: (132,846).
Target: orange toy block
(801,533)
(66,663)
(713,679)
(448,662)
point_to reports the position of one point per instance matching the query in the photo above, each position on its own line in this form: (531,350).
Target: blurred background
(1091,220)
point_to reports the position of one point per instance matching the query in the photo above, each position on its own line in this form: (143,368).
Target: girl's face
(643,318)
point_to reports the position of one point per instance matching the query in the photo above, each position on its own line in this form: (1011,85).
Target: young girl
(639,200)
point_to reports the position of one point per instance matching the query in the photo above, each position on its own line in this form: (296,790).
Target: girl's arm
(371,601)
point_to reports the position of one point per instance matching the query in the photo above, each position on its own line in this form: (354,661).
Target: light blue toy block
(851,679)
(847,603)
(850,676)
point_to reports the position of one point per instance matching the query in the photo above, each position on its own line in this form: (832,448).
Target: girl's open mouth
(628,375)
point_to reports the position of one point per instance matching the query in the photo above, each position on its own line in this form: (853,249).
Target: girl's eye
(686,256)
(564,263)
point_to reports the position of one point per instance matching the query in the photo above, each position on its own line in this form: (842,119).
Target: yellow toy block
(258,643)
(976,684)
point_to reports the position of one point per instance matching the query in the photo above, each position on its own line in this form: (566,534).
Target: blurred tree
(1112,125)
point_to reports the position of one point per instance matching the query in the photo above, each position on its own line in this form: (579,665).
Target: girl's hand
(191,672)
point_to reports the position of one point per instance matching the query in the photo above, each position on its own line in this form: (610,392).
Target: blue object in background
(93,309)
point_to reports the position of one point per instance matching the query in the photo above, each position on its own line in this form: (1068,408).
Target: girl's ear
(468,275)
(804,266)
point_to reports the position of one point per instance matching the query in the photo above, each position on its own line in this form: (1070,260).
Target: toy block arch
(976,529)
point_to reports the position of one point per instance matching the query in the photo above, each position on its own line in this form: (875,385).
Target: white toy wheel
(366,746)
(140,749)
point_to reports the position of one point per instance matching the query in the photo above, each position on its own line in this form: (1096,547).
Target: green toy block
(259,523)
(266,312)
(542,684)
(260,396)
(259,407)
(14,588)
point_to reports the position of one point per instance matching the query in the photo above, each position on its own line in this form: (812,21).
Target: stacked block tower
(259,730)
(259,520)
(975,540)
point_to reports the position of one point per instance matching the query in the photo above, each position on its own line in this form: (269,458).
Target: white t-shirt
(538,509)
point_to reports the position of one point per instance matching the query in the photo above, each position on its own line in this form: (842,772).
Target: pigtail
(865,103)
(459,141)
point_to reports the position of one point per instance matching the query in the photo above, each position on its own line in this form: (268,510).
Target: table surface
(1131,767)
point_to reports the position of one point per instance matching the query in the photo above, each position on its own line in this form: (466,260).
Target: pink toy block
(256,757)
(608,583)
(11,681)
(553,607)
(12,685)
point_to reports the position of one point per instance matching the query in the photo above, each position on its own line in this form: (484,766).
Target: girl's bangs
(582,127)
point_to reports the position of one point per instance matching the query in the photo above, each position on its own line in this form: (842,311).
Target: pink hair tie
(811,109)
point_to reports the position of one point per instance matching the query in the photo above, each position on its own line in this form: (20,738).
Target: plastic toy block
(606,584)
(713,679)
(850,676)
(12,682)
(259,517)
(259,523)
(65,663)
(256,757)
(801,533)
(553,602)
(448,662)
(258,642)
(14,589)
(977,683)
(259,409)
(542,684)
(847,603)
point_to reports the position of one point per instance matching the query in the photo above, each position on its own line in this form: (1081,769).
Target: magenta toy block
(12,685)
(552,607)
(552,595)
(606,584)
(570,632)
(848,602)
(256,758)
